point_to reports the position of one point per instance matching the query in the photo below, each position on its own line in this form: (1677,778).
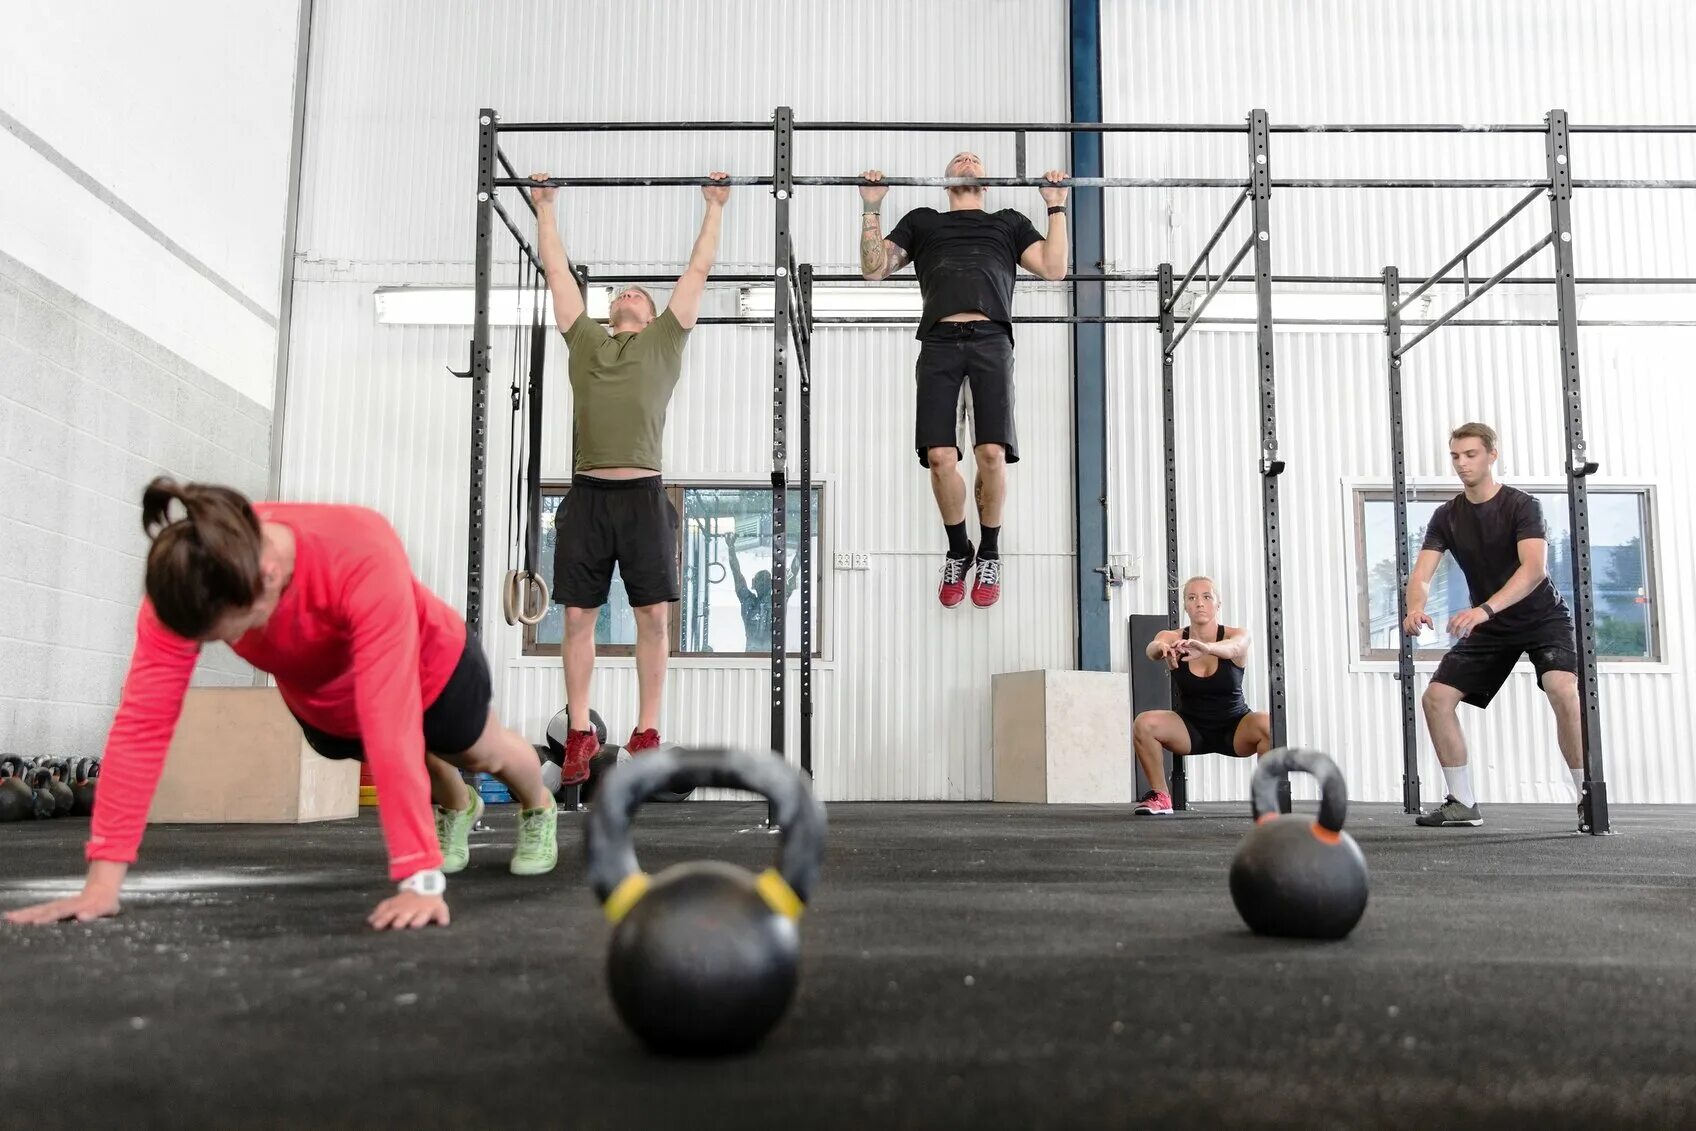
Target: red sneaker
(1155,803)
(580,746)
(953,588)
(641,740)
(986,586)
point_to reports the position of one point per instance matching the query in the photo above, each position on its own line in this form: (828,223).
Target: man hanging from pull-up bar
(965,259)
(617,511)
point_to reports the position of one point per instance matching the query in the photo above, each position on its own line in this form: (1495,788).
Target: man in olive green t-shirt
(617,511)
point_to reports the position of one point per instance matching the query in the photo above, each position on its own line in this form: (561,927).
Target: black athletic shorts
(627,522)
(1209,737)
(453,721)
(1477,667)
(954,353)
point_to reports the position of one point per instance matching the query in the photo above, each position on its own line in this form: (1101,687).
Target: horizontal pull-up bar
(1500,223)
(1088,127)
(1154,320)
(1152,277)
(1099,182)
(1438,322)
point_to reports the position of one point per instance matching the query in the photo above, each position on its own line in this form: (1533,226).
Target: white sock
(1459,779)
(1578,779)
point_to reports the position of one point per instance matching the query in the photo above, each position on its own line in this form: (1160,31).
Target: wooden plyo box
(238,757)
(1062,737)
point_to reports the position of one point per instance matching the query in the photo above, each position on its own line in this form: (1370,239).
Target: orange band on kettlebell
(626,895)
(777,893)
(1264,817)
(1324,835)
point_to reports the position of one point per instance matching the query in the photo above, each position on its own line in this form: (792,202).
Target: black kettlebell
(63,799)
(16,800)
(705,956)
(39,778)
(86,770)
(1295,876)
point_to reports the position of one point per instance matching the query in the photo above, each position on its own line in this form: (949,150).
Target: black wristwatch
(1488,611)
(1053,208)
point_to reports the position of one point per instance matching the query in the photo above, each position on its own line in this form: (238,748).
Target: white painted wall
(184,113)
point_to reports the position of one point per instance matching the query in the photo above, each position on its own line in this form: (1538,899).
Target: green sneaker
(1450,812)
(453,833)
(538,846)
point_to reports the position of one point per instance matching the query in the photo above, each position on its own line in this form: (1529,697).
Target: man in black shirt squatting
(965,259)
(1498,538)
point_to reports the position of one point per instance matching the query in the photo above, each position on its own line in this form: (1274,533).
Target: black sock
(989,543)
(959,546)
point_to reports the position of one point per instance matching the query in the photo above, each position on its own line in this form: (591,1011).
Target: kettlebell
(86,770)
(705,956)
(44,803)
(63,799)
(1294,876)
(16,801)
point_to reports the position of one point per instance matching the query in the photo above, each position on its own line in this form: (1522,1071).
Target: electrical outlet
(844,561)
(862,561)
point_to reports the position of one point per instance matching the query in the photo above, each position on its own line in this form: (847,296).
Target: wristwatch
(1488,611)
(1053,208)
(428,882)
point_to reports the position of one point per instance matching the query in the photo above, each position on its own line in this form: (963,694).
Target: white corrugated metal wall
(902,694)
(1444,61)
(389,168)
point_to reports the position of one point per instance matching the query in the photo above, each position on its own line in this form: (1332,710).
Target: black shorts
(603,522)
(1477,668)
(1209,737)
(453,721)
(954,353)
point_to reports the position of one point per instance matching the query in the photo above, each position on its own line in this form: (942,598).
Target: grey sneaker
(1450,812)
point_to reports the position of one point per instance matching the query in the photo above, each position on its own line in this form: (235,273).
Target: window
(1620,562)
(724,546)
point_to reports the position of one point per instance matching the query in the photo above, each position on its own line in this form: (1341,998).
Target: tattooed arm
(879,257)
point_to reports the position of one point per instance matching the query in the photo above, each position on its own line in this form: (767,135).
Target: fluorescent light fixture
(1637,306)
(882,300)
(1322,306)
(457,306)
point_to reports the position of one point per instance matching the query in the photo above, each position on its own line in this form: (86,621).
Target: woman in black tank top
(1210,715)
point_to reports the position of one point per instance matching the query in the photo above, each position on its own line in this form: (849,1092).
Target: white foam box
(1062,737)
(239,757)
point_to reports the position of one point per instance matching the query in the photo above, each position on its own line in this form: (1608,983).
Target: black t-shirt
(1484,538)
(965,259)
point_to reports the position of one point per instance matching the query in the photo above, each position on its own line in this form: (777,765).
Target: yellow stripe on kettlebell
(626,895)
(777,893)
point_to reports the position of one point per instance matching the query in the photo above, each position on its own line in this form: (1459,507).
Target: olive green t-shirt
(621,385)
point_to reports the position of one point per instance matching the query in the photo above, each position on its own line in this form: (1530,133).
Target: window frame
(674,489)
(1358,493)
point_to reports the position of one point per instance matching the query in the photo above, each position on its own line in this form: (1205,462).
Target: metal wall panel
(903,691)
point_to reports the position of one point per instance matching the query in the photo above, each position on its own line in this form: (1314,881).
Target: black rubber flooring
(973,966)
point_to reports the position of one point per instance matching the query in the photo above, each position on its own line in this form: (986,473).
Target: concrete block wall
(90,409)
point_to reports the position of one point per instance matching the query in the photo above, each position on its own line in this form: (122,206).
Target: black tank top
(1217,698)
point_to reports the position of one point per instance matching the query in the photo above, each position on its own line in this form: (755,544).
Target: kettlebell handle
(1275,767)
(612,853)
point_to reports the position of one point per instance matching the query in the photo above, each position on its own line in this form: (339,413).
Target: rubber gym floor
(977,966)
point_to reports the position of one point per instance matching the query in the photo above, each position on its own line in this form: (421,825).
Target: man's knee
(580,620)
(942,460)
(1440,698)
(652,617)
(990,457)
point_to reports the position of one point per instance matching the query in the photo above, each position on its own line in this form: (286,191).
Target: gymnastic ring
(520,585)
